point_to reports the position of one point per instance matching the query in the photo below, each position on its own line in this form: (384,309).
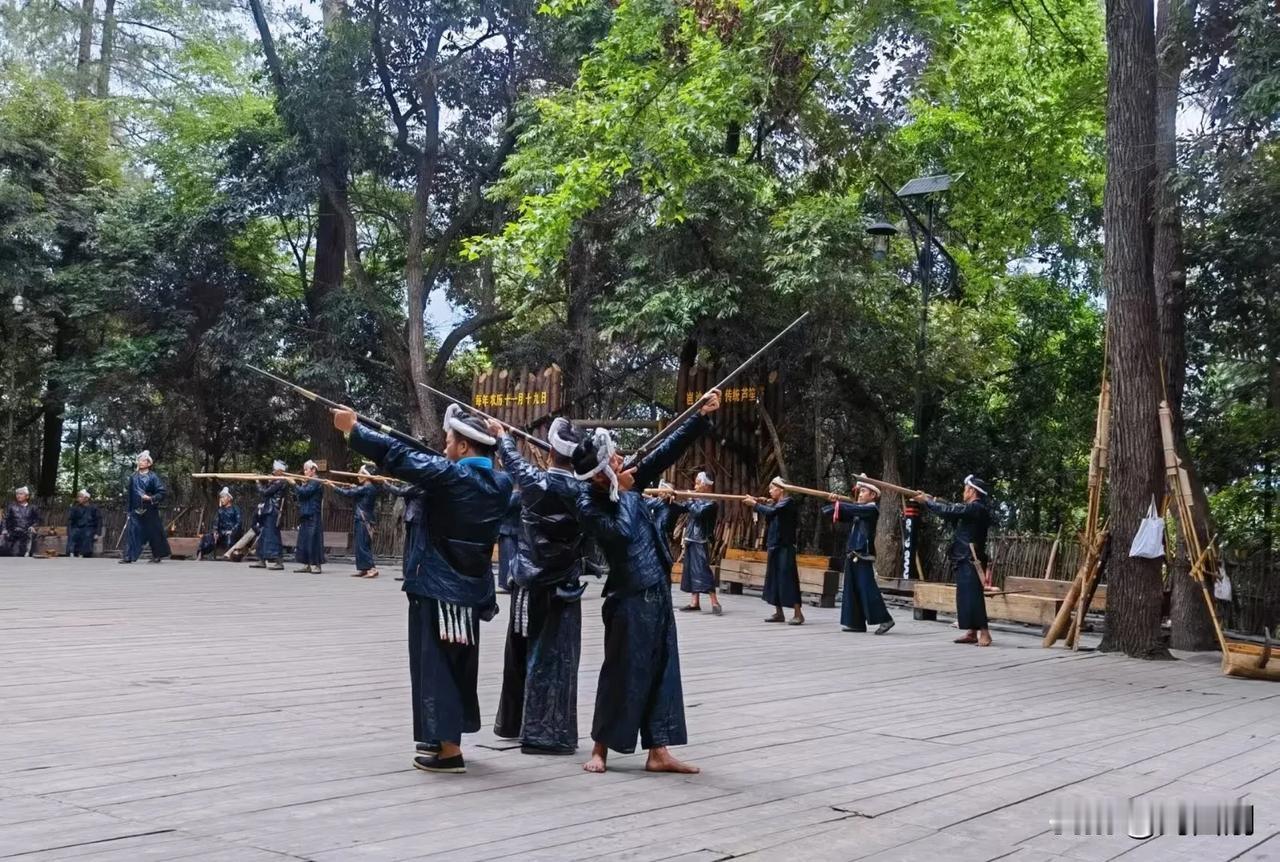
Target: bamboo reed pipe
(697,495)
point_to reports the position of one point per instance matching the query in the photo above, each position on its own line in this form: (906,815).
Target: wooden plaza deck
(214,712)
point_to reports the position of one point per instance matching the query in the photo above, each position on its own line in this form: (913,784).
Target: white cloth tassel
(440,611)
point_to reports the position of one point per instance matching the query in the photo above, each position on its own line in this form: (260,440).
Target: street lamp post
(927,188)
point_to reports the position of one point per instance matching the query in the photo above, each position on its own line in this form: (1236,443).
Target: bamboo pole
(909,493)
(378,479)
(1053,555)
(697,495)
(813,492)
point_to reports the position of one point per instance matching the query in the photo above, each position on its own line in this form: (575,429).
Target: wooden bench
(184,547)
(1037,606)
(744,568)
(334,541)
(52,542)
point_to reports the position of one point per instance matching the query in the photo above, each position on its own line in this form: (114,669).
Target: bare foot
(984,639)
(596,763)
(660,760)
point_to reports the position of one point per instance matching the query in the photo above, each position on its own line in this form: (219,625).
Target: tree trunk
(84,49)
(1191,627)
(578,359)
(320,293)
(1133,341)
(54,405)
(889,527)
(107,50)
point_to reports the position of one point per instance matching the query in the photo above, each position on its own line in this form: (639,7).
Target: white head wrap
(970,482)
(225,492)
(663,484)
(563,446)
(279,465)
(453,421)
(365,471)
(83,493)
(869,487)
(23,490)
(703,478)
(310,465)
(145,455)
(604,449)
(778,480)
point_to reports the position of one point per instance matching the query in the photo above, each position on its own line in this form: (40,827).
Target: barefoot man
(639,690)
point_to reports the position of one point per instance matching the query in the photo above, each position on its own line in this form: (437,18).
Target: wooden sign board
(519,397)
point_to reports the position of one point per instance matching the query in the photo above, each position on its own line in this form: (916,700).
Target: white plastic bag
(1222,586)
(1149,540)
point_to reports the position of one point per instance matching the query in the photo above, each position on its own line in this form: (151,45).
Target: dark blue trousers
(364,545)
(781,577)
(310,550)
(270,546)
(971,602)
(80,541)
(697,576)
(861,604)
(146,528)
(443,677)
(639,690)
(539,702)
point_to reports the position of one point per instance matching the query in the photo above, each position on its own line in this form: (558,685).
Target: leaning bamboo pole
(1238,659)
(1092,537)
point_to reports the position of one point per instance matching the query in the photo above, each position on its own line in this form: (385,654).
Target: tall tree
(1191,626)
(1133,338)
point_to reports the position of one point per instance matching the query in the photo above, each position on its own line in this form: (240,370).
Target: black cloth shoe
(125,562)
(434,763)
(427,747)
(884,627)
(851,629)
(261,564)
(156,560)
(691,608)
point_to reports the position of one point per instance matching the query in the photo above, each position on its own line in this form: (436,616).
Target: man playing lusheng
(696,576)
(639,690)
(539,702)
(781,576)
(861,604)
(968,549)
(449,577)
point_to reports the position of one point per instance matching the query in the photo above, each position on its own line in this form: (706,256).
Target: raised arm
(653,465)
(848,511)
(397,459)
(524,474)
(947,511)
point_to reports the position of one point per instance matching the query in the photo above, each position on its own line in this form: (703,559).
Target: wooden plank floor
(213,712)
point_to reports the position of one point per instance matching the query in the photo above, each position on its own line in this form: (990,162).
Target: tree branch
(454,338)
(388,91)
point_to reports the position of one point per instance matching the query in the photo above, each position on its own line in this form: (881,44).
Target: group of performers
(552,521)
(861,605)
(585,501)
